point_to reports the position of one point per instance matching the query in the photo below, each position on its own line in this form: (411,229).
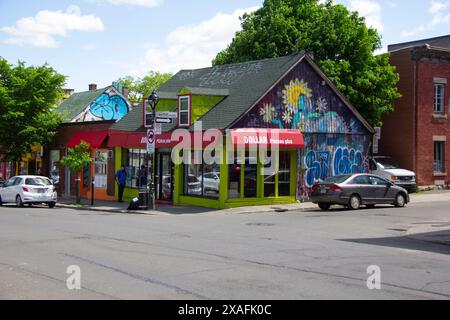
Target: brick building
(417,133)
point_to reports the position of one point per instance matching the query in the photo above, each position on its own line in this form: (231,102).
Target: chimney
(125,91)
(92,87)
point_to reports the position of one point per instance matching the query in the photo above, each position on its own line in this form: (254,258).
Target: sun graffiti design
(292,93)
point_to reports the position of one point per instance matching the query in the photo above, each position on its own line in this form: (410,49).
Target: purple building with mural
(337,138)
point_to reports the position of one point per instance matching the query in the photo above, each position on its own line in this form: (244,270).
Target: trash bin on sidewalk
(143,198)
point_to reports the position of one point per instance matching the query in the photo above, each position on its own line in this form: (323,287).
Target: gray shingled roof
(242,84)
(77,103)
(245,84)
(441,42)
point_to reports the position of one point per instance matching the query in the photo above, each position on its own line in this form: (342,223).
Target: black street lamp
(153,101)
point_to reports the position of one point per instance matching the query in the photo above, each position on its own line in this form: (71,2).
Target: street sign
(163,120)
(151,139)
(165,114)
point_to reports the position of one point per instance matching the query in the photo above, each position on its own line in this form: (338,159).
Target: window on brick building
(439,156)
(439,97)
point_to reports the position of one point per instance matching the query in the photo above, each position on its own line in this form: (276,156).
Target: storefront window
(234,178)
(53,169)
(202,180)
(250,176)
(284,175)
(8,170)
(134,161)
(269,176)
(23,168)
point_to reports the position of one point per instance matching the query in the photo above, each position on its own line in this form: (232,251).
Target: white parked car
(388,168)
(211,181)
(28,190)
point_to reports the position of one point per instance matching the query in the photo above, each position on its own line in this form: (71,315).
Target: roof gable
(99,105)
(304,99)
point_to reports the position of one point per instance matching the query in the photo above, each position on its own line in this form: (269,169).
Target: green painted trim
(223,186)
(277,175)
(200,202)
(118,163)
(248,202)
(293,182)
(178,183)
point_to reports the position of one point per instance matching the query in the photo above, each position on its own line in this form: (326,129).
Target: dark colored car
(356,190)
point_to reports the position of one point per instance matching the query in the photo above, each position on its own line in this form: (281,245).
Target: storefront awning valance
(283,138)
(96,139)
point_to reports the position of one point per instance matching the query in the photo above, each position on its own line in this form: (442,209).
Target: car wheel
(400,200)
(1,202)
(355,202)
(324,206)
(19,202)
(51,205)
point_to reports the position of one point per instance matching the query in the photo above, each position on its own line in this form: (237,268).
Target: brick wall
(428,125)
(397,134)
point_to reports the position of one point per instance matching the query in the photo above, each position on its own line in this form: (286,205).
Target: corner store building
(289,96)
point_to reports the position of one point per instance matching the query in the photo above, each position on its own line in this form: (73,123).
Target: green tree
(28,96)
(143,87)
(342,45)
(76,159)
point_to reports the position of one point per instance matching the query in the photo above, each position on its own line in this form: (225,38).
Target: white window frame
(439,102)
(188,98)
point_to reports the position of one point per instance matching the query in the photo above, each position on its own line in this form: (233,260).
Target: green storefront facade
(261,109)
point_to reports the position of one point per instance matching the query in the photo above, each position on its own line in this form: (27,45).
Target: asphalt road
(293,255)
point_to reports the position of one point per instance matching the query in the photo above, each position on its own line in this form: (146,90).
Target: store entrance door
(164,171)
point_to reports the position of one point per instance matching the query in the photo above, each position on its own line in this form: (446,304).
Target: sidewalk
(115,207)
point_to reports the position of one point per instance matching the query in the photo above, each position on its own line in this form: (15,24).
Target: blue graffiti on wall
(317,167)
(108,107)
(347,161)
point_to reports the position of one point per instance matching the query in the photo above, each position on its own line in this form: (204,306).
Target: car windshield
(337,179)
(37,182)
(388,163)
(192,179)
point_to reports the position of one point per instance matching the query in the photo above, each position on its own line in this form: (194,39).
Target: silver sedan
(356,190)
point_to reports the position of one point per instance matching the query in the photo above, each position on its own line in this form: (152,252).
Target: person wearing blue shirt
(121,179)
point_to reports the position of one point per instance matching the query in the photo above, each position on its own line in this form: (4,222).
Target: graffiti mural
(336,141)
(302,100)
(108,106)
(327,155)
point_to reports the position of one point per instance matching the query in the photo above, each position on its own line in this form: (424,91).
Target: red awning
(96,139)
(283,138)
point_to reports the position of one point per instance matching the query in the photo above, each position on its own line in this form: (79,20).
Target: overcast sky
(98,41)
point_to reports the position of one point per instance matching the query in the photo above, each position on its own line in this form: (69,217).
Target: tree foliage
(143,87)
(77,158)
(28,96)
(342,45)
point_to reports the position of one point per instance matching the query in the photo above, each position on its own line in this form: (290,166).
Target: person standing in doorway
(121,179)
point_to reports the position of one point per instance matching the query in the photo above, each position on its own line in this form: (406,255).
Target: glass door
(164,177)
(101,169)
